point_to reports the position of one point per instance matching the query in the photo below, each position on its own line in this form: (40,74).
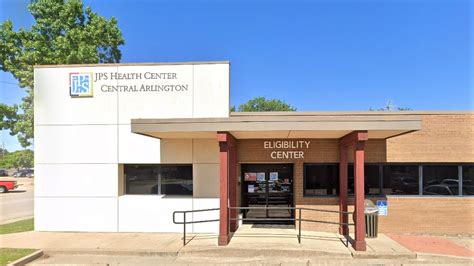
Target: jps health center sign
(286,149)
(82,84)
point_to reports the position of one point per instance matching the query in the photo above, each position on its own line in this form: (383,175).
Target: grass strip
(16,227)
(8,255)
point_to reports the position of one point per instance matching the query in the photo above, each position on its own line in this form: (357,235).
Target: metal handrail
(288,208)
(184,222)
(299,219)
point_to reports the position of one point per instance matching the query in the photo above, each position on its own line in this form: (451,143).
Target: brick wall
(434,215)
(443,138)
(424,215)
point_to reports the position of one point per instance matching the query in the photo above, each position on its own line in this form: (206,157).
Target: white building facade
(83,143)
(119,148)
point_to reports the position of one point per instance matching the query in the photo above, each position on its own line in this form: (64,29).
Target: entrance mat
(432,245)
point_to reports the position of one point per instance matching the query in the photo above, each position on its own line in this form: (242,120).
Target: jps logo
(80,84)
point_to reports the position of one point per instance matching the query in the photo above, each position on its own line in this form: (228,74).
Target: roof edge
(136,64)
(344,113)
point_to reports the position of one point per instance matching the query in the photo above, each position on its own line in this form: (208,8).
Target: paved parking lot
(17,205)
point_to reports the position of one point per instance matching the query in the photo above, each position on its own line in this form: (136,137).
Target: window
(391,179)
(371,180)
(176,180)
(321,179)
(440,180)
(400,180)
(468,180)
(147,179)
(140,179)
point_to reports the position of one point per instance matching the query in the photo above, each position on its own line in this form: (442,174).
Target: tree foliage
(7,113)
(260,104)
(64,33)
(3,153)
(17,159)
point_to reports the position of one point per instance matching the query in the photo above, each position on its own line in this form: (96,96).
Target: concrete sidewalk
(252,241)
(248,241)
(96,243)
(249,245)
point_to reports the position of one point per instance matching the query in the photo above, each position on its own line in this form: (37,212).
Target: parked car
(441,190)
(3,172)
(405,184)
(24,173)
(7,185)
(449,182)
(467,186)
(455,182)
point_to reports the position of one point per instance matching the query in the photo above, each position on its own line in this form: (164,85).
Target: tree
(260,104)
(6,114)
(3,154)
(18,159)
(390,106)
(64,33)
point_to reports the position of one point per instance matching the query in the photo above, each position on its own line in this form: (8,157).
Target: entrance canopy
(280,125)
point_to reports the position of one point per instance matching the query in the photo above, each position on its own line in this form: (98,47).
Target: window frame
(158,178)
(439,164)
(420,178)
(420,166)
(461,178)
(304,180)
(380,168)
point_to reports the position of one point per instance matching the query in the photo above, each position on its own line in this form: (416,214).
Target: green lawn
(8,255)
(20,226)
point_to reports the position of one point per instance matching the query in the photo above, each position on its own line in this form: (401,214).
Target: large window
(148,179)
(371,180)
(440,180)
(400,180)
(392,179)
(321,179)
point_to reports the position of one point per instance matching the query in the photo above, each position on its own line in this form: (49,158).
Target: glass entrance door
(267,185)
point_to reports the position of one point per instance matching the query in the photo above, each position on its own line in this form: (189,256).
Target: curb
(213,252)
(246,252)
(379,255)
(389,256)
(114,252)
(26,259)
(443,256)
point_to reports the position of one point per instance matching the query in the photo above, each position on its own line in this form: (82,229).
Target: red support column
(343,164)
(359,243)
(223,188)
(227,186)
(233,185)
(356,139)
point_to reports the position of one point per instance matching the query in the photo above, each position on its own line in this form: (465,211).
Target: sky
(314,55)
